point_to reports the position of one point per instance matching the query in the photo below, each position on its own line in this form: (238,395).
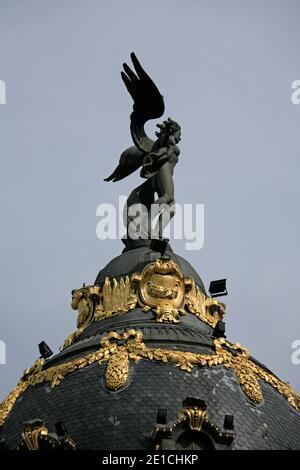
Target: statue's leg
(165,204)
(144,195)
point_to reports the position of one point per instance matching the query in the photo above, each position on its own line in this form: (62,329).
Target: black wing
(131,159)
(148,102)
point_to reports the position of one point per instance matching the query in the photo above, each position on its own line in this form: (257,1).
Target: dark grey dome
(145,410)
(135,259)
(97,418)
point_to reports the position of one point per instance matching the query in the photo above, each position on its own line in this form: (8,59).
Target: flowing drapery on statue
(156,158)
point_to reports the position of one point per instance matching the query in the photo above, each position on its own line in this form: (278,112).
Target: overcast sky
(225,69)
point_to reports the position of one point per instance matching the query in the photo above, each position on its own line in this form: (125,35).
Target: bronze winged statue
(156,158)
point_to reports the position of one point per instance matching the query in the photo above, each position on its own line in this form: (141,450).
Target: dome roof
(135,258)
(157,376)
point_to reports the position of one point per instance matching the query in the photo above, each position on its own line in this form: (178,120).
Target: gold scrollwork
(160,287)
(249,372)
(85,300)
(205,308)
(31,434)
(195,417)
(96,303)
(131,342)
(36,436)
(117,297)
(117,370)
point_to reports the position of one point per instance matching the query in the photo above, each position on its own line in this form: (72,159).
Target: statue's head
(169,126)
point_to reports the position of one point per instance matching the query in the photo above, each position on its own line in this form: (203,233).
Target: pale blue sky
(225,69)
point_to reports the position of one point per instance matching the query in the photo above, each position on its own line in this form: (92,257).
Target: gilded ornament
(85,301)
(95,303)
(31,434)
(161,288)
(132,347)
(195,417)
(36,436)
(206,308)
(117,370)
(117,297)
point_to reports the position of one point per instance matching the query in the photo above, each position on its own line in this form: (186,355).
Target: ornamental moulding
(132,347)
(160,288)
